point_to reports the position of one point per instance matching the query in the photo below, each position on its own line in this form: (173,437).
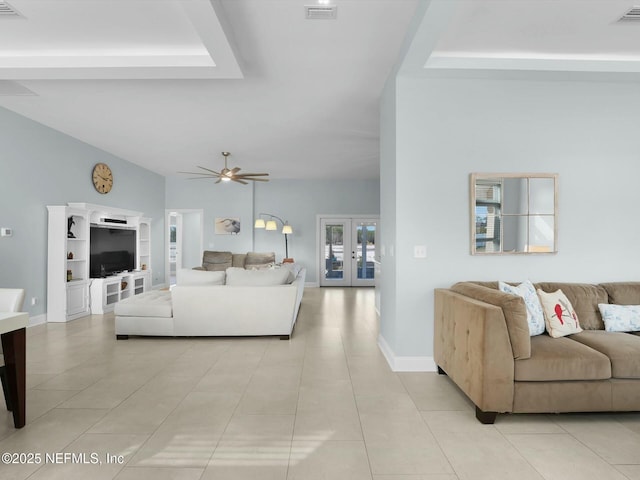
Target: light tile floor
(323,405)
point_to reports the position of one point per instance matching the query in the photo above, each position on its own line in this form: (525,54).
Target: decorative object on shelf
(70,256)
(123,285)
(69,275)
(102,178)
(272,225)
(227,226)
(70,223)
(144,266)
(228,174)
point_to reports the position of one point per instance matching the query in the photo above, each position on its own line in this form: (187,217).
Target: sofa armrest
(471,344)
(199,268)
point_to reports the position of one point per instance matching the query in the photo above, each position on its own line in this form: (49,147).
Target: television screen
(112,250)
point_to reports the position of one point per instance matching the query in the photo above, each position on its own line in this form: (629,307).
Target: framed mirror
(514,213)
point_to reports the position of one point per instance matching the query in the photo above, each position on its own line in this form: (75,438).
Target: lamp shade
(271,225)
(259,223)
(286,229)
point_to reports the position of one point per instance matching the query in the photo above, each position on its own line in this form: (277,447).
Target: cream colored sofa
(481,341)
(238,309)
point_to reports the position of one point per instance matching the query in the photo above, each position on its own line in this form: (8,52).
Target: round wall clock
(102,178)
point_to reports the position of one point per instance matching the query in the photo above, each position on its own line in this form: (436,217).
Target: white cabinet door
(77,300)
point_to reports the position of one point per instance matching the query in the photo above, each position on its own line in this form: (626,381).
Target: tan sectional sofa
(482,343)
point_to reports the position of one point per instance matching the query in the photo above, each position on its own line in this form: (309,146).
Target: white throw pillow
(620,318)
(184,276)
(261,278)
(535,316)
(559,315)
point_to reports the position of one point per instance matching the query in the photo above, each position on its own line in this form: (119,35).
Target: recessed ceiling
(169,84)
(559,35)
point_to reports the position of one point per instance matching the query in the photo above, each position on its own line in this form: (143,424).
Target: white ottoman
(149,313)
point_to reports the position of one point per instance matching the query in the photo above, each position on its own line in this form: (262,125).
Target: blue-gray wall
(40,166)
(297,201)
(220,200)
(300,202)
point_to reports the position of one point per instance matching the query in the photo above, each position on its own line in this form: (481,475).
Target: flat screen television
(111,250)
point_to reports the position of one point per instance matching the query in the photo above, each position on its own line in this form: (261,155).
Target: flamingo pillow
(559,315)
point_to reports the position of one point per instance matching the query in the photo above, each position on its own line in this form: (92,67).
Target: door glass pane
(172,249)
(366,249)
(334,252)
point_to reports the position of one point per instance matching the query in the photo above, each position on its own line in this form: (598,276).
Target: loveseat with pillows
(231,302)
(541,348)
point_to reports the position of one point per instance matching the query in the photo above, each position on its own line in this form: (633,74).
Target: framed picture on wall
(227,226)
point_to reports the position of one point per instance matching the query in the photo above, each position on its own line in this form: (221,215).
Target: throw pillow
(559,315)
(240,276)
(620,318)
(535,316)
(184,276)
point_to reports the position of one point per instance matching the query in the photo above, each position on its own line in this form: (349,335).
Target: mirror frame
(485,176)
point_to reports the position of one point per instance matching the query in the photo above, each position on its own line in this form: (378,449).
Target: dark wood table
(13,332)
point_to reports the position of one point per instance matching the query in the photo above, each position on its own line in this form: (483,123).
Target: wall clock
(102,178)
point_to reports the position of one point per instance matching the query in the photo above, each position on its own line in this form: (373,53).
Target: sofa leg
(122,337)
(441,371)
(285,337)
(486,418)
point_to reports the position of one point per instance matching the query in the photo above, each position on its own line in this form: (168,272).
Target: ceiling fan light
(224,178)
(271,225)
(259,223)
(286,229)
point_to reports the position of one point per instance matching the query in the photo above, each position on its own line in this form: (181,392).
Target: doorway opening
(183,241)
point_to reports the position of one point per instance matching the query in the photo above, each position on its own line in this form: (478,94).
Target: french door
(347,251)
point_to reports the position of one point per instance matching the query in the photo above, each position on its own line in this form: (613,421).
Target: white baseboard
(37,320)
(405,364)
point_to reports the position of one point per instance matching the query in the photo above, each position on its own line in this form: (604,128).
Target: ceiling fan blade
(208,177)
(256,179)
(252,175)
(204,175)
(219,180)
(236,179)
(208,170)
(235,170)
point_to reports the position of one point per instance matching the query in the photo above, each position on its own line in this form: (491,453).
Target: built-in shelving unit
(68,270)
(144,244)
(106,292)
(71,293)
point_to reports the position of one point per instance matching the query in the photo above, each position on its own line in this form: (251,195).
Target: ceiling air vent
(633,14)
(7,10)
(320,12)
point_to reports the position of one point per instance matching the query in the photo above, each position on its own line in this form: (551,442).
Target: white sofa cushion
(155,303)
(262,278)
(185,276)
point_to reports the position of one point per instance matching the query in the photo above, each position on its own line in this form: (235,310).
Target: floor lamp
(272,225)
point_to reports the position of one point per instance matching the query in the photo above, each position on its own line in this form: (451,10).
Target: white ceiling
(169,84)
(305,104)
(560,35)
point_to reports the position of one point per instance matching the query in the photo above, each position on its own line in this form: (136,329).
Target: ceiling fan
(228,174)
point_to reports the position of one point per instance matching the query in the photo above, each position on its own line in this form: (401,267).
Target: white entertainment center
(71,292)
